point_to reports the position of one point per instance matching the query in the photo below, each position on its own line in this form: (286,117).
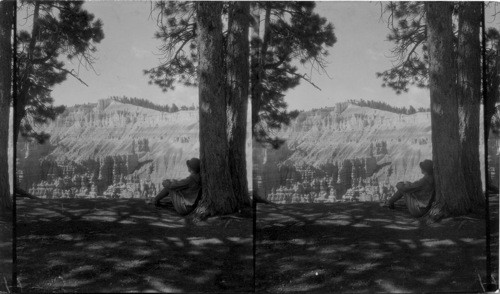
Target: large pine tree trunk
(7,10)
(218,196)
(451,193)
(469,96)
(237,97)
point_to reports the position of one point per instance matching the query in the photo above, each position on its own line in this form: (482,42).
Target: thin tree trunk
(469,96)
(266,39)
(218,196)
(258,58)
(254,63)
(237,97)
(24,76)
(492,89)
(493,96)
(20,113)
(254,78)
(7,10)
(451,193)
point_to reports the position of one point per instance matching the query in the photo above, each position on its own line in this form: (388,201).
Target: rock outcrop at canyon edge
(110,144)
(343,152)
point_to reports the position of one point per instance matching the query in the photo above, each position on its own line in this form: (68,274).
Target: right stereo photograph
(376,132)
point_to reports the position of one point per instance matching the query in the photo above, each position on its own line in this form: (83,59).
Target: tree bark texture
(238,72)
(451,193)
(469,96)
(7,10)
(218,196)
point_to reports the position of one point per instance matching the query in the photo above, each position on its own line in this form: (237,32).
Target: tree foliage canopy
(493,78)
(289,34)
(407,25)
(53,30)
(406,22)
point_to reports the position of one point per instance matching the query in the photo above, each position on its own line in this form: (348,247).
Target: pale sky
(129,47)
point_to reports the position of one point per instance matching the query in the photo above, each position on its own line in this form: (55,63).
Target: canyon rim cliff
(110,144)
(343,153)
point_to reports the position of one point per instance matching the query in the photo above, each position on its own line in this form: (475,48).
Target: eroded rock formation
(354,153)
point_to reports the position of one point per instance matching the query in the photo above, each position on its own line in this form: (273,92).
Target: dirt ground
(364,248)
(5,251)
(123,245)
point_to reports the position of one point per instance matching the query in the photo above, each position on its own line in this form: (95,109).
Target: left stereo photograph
(132,168)
(7,20)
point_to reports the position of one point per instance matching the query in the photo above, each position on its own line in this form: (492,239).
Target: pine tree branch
(42,87)
(281,60)
(304,77)
(495,12)
(72,74)
(181,48)
(413,49)
(41,60)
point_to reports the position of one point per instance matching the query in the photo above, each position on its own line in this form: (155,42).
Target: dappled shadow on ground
(5,251)
(361,247)
(123,245)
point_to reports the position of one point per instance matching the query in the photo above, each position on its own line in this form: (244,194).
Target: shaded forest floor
(364,248)
(89,245)
(5,251)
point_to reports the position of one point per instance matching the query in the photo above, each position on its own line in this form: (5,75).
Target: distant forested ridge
(148,104)
(386,107)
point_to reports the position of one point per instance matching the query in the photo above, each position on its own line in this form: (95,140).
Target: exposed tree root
(21,193)
(436,213)
(201,213)
(258,199)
